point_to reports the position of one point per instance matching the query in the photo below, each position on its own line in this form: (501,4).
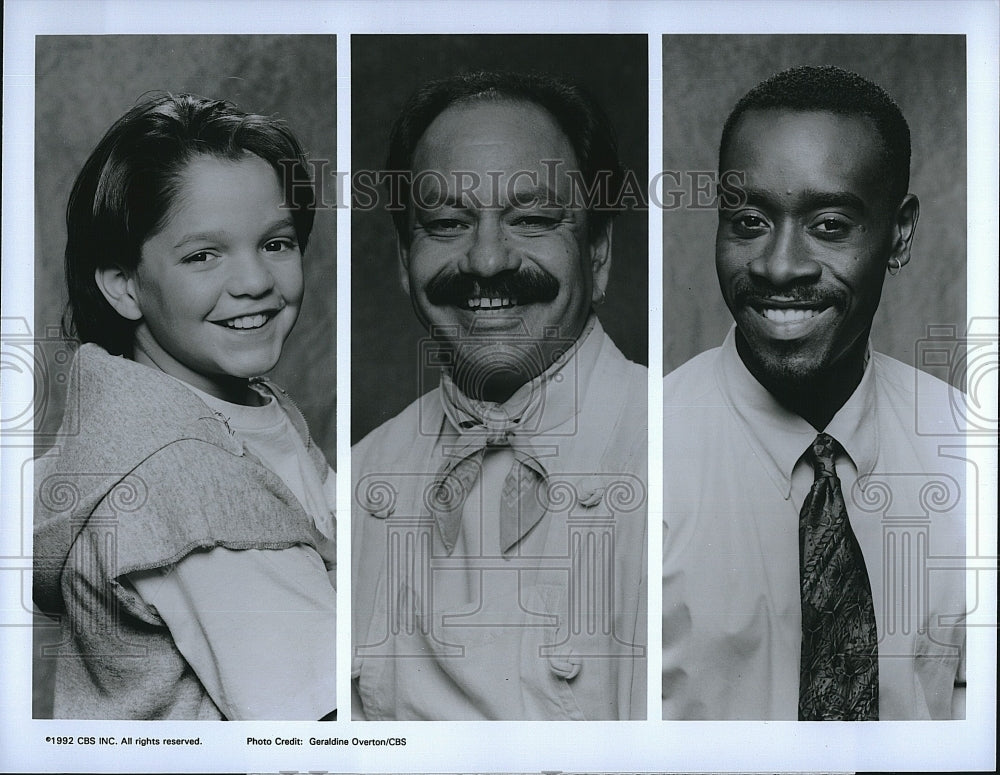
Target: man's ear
(403,252)
(118,287)
(600,262)
(903,228)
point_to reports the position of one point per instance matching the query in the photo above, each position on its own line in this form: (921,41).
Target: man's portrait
(814,491)
(499,519)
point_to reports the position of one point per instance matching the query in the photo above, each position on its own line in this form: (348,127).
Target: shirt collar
(854,426)
(780,436)
(548,404)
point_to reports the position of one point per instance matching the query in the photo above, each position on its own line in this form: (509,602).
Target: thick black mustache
(526,285)
(753,293)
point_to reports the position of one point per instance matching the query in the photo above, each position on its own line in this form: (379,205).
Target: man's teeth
(788,315)
(247,321)
(490,303)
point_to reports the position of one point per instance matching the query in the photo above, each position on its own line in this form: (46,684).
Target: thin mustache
(526,286)
(758,294)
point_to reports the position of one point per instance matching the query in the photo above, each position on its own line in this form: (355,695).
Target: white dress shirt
(734,482)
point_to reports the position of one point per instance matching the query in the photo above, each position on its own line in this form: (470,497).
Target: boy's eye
(201,257)
(281,243)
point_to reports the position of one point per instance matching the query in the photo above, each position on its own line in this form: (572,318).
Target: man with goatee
(813,513)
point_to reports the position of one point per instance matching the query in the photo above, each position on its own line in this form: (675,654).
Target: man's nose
(785,259)
(250,274)
(490,251)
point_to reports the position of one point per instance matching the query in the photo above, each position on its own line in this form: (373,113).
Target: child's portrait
(184,528)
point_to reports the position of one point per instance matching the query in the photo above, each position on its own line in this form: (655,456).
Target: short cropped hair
(575,111)
(125,190)
(833,90)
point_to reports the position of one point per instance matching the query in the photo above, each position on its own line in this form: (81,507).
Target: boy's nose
(250,276)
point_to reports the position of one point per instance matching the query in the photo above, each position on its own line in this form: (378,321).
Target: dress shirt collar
(781,436)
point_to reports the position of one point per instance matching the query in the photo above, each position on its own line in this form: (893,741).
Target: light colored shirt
(552,627)
(269,434)
(734,482)
(276,659)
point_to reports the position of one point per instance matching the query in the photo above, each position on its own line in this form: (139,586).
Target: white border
(476,746)
(654,659)
(343,372)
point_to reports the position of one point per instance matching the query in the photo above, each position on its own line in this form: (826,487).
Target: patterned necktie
(522,499)
(838,672)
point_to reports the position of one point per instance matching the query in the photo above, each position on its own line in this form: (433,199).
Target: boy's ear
(118,287)
(403,252)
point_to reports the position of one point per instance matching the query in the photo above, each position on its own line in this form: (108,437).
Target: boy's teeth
(247,321)
(788,315)
(490,303)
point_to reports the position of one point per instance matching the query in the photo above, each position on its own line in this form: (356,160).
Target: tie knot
(821,454)
(487,423)
(493,422)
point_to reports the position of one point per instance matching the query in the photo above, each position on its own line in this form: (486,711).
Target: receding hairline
(487,99)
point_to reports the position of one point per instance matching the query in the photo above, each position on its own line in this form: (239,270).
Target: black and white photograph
(814,480)
(384,384)
(184,530)
(499,518)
